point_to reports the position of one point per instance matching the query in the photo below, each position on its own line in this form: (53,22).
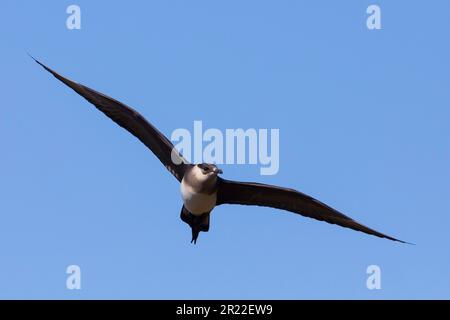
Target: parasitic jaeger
(201,187)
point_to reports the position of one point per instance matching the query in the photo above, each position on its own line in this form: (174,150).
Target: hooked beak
(218,171)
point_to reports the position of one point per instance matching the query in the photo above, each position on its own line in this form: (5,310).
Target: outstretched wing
(247,193)
(132,121)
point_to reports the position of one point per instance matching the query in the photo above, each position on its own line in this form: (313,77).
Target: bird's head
(208,169)
(204,175)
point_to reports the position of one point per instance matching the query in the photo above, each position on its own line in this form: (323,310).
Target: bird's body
(198,191)
(196,202)
(201,187)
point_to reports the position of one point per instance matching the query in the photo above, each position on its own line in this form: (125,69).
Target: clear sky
(364,126)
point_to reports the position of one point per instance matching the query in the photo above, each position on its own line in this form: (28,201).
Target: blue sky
(364,126)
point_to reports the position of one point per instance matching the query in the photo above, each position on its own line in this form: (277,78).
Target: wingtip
(37,61)
(401,241)
(67,81)
(31,56)
(41,64)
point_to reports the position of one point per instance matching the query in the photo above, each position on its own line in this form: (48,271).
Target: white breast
(197,203)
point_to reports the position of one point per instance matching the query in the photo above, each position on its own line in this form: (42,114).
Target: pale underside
(197,203)
(196,198)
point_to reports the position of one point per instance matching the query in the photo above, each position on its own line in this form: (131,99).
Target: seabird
(201,187)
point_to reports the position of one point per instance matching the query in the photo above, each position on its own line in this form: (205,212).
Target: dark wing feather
(247,193)
(132,121)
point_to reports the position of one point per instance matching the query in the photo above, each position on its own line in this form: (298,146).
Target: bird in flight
(201,187)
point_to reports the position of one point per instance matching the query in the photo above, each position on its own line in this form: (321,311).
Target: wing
(247,193)
(132,121)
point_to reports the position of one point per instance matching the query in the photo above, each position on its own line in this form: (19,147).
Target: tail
(197,223)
